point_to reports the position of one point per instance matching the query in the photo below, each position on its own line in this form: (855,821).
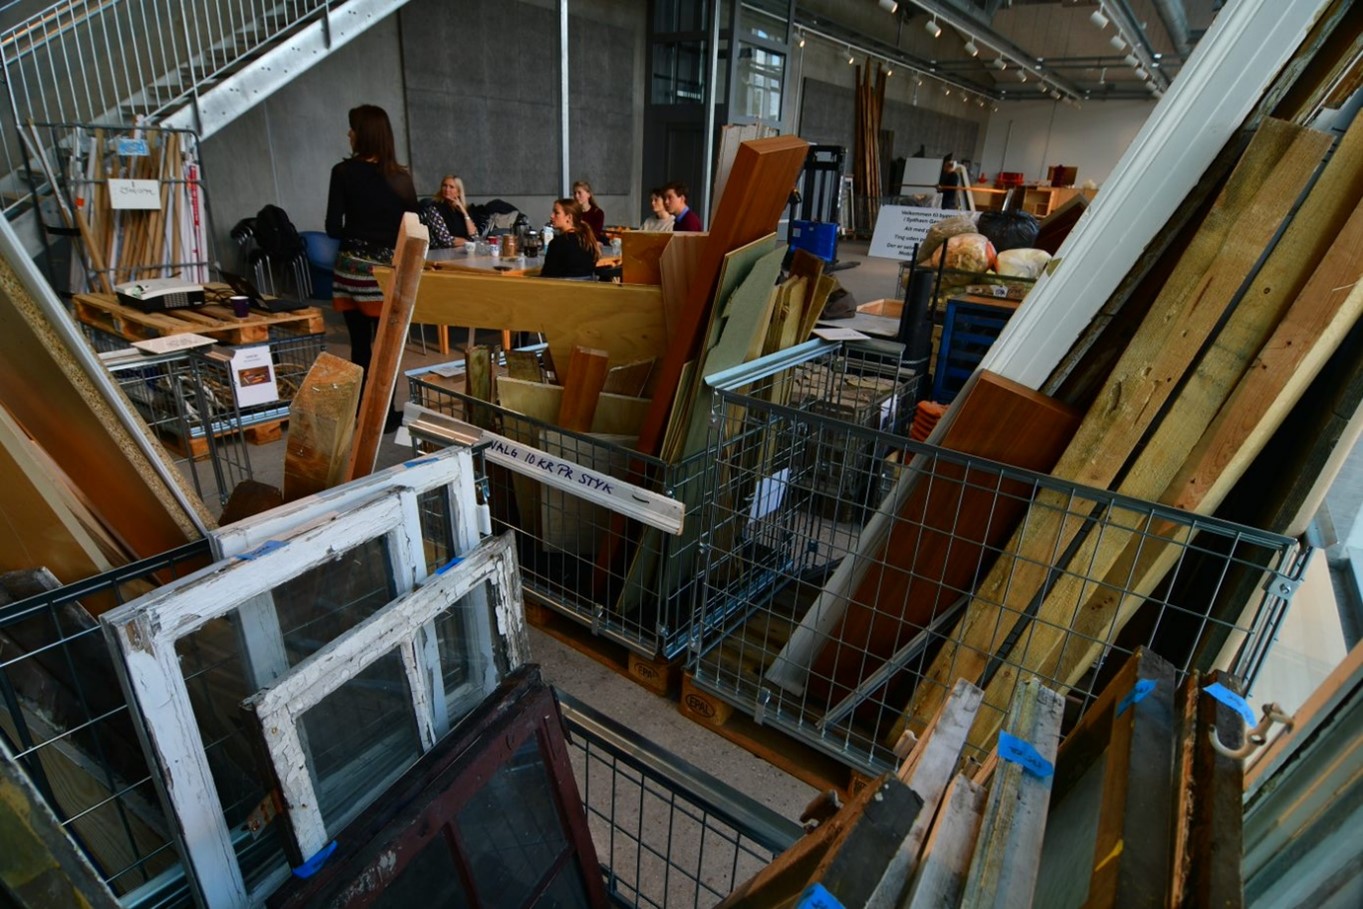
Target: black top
(363,204)
(566,258)
(951,198)
(445,222)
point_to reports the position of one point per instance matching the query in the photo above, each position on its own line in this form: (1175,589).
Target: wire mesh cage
(859,573)
(627,581)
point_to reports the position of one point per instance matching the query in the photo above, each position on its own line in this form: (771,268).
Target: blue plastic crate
(817,237)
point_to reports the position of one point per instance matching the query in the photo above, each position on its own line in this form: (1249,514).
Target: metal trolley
(628,582)
(666,833)
(797,491)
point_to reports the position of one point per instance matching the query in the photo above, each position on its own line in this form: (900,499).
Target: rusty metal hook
(1254,738)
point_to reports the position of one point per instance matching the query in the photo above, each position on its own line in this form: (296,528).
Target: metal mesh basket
(840,558)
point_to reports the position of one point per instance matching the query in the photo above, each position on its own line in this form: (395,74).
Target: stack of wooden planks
(1138,807)
(866,177)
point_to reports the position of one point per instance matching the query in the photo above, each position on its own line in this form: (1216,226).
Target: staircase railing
(126,61)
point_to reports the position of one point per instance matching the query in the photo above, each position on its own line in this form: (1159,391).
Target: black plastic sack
(1008,229)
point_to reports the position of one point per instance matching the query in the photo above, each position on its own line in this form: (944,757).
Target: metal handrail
(127,61)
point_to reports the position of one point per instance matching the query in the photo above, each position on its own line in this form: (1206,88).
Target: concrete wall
(1031,136)
(283,149)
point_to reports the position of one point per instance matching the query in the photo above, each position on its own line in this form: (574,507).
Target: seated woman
(592,214)
(662,218)
(447,216)
(573,252)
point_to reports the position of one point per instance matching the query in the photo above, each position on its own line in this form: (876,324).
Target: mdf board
(953,519)
(759,184)
(88,428)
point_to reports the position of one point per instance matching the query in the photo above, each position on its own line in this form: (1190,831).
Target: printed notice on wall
(134,194)
(900,227)
(253,376)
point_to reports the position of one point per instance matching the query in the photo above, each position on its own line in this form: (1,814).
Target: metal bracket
(759,712)
(1254,738)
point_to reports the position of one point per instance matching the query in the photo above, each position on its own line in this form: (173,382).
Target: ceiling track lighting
(932,28)
(970,48)
(1097,17)
(1022,76)
(802,39)
(999,64)
(850,58)
(1118,42)
(890,6)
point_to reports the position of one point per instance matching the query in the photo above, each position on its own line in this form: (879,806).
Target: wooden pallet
(196,448)
(104,312)
(662,677)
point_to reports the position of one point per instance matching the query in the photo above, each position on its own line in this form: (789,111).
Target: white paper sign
(142,194)
(899,227)
(253,376)
(172,343)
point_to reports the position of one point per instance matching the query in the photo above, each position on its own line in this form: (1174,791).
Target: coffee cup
(241,306)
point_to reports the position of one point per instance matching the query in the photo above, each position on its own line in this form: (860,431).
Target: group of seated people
(579,224)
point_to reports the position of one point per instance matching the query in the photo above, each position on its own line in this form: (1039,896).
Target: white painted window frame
(407,626)
(143,634)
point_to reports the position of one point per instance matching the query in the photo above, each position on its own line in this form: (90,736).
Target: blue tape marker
(314,864)
(816,896)
(450,564)
(1017,751)
(416,462)
(1137,694)
(263,549)
(1233,701)
(132,147)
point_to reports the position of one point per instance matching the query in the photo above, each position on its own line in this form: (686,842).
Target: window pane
(437,530)
(764,19)
(359,739)
(511,831)
(324,602)
(679,15)
(678,73)
(566,892)
(470,667)
(759,83)
(430,881)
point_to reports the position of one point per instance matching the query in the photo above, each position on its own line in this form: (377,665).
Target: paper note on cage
(172,343)
(253,377)
(841,334)
(135,194)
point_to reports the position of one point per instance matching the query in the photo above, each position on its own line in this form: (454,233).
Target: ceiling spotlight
(1131,60)
(994,108)
(1118,42)
(1055,95)
(850,58)
(889,70)
(1097,18)
(947,92)
(1022,76)
(970,48)
(932,28)
(1141,73)
(890,6)
(998,64)
(802,39)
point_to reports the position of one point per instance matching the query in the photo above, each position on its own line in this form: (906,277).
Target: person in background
(370,191)
(951,183)
(573,251)
(592,215)
(661,220)
(683,218)
(447,215)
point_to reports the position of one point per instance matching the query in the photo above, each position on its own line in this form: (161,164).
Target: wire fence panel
(629,582)
(841,557)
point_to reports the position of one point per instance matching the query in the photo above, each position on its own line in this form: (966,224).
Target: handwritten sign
(137,194)
(900,227)
(132,148)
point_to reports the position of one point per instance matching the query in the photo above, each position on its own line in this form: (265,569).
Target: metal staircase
(195,64)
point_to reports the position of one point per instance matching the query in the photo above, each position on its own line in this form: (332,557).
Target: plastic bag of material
(1009,229)
(1023,263)
(967,252)
(942,231)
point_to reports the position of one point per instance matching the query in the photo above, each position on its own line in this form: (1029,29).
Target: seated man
(683,218)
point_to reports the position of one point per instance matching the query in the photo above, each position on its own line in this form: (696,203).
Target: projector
(160,294)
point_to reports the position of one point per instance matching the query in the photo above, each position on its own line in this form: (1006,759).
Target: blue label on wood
(1137,694)
(265,548)
(1017,751)
(132,148)
(816,896)
(1233,701)
(314,864)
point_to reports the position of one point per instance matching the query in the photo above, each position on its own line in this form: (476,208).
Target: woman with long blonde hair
(447,215)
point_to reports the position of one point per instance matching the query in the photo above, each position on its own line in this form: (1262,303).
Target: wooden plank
(1216,815)
(620,415)
(677,266)
(640,252)
(817,301)
(927,772)
(537,400)
(394,321)
(321,426)
(1004,867)
(629,378)
(1259,194)
(523,365)
(940,878)
(763,172)
(478,378)
(581,387)
(624,319)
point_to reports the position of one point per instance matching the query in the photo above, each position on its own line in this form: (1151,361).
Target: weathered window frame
(406,625)
(268,551)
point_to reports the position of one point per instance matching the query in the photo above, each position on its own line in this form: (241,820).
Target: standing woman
(574,251)
(447,215)
(951,184)
(369,194)
(592,215)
